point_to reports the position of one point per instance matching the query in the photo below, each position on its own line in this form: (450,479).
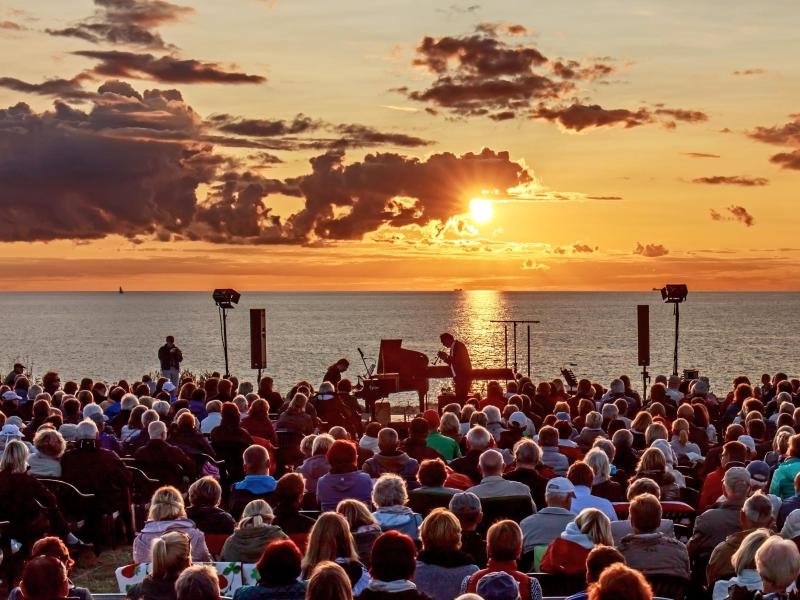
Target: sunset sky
(308,144)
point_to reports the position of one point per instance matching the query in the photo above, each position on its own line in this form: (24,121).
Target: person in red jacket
(734,454)
(568,552)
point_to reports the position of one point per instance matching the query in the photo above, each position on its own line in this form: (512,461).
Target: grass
(98,575)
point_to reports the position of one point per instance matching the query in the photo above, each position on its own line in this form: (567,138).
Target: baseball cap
(759,472)
(519,418)
(560,485)
(168,387)
(498,586)
(11,395)
(563,416)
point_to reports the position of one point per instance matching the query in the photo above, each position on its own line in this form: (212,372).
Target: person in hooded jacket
(167,513)
(567,554)
(390,459)
(344,480)
(252,534)
(316,465)
(389,496)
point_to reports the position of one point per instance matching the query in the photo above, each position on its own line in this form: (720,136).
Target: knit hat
(432,417)
(498,586)
(342,454)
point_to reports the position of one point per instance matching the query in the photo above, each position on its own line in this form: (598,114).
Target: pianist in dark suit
(334,372)
(461,366)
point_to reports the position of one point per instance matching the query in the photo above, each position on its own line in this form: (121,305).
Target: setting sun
(481,211)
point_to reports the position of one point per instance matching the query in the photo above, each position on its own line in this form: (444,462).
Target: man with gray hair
(715,524)
(163,461)
(467,508)
(539,530)
(493,485)
(755,514)
(389,459)
(478,440)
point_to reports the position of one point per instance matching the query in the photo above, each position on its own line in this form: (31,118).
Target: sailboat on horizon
(121,291)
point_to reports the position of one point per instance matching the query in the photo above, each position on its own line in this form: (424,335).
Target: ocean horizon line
(397,291)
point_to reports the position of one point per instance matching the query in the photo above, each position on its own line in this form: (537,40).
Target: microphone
(361,352)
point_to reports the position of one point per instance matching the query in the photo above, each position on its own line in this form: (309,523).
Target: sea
(110,336)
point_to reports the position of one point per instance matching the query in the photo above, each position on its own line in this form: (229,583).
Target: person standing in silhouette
(171,358)
(457,357)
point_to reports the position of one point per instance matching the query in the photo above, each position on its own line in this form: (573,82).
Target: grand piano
(402,370)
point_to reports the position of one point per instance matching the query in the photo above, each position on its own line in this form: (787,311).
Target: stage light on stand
(225,299)
(675,293)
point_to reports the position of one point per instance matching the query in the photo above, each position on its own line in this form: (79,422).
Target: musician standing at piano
(460,365)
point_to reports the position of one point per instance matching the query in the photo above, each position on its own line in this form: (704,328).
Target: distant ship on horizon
(121,291)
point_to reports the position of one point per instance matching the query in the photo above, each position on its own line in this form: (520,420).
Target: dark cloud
(735,213)
(265,127)
(484,74)
(746,72)
(700,155)
(732,180)
(604,197)
(650,250)
(62,88)
(583,248)
(787,134)
(531,265)
(127,22)
(131,164)
(787,160)
(169,69)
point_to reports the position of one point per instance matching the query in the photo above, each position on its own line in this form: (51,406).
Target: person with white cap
(517,429)
(540,529)
(9,431)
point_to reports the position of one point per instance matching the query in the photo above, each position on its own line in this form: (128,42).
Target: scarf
(391,587)
(448,559)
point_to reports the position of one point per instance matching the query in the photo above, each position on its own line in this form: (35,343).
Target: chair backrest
(215,541)
(232,575)
(423,503)
(515,508)
(73,503)
(559,585)
(668,586)
(231,453)
(142,486)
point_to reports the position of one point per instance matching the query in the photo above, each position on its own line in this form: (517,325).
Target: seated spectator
(602,485)
(528,469)
(287,499)
(41,412)
(783,479)
(390,459)
(279,571)
(197,404)
(567,554)
(671,461)
(619,582)
(442,565)
(714,525)
(443,437)
(168,463)
(494,422)
(329,581)
(55,548)
(789,504)
(467,509)
(592,430)
(478,439)
(746,579)
(541,529)
(649,550)
(551,455)
(331,540)
(493,485)
(432,477)
(214,418)
(364,528)
(253,533)
(167,513)
(653,465)
(389,496)
(597,561)
(619,529)
(504,545)
(756,514)
(734,454)
(44,578)
(680,443)
(204,510)
(416,444)
(198,582)
(517,427)
(344,480)
(186,436)
(257,422)
(171,555)
(392,570)
(778,564)
(317,464)
(582,477)
(230,431)
(137,441)
(497,586)
(134,425)
(46,461)
(296,418)
(106,436)
(257,483)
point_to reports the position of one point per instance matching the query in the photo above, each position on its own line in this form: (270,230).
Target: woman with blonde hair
(655,431)
(171,555)
(441,565)
(167,513)
(653,465)
(680,443)
(602,485)
(329,582)
(252,534)
(747,578)
(331,540)
(364,528)
(567,554)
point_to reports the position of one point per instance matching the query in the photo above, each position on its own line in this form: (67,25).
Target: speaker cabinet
(643,328)
(258,338)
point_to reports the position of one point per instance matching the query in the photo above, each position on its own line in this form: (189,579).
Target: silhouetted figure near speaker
(171,358)
(334,372)
(460,365)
